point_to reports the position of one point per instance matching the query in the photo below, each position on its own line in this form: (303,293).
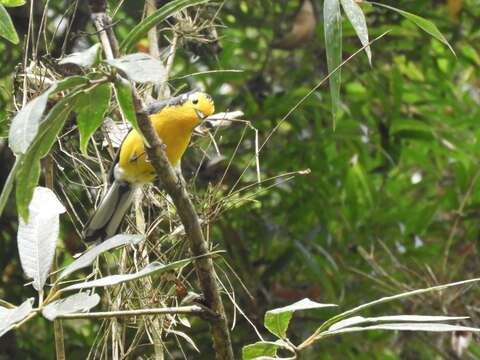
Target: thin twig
(150,8)
(103,24)
(163,89)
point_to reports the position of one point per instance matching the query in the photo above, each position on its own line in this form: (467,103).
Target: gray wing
(157,106)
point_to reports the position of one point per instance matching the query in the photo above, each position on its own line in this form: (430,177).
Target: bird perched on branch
(174,120)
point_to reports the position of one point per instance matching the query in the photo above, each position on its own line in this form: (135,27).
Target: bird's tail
(106,220)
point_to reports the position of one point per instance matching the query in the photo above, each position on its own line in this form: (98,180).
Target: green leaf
(7,30)
(430,327)
(92,253)
(24,127)
(86,58)
(261,349)
(123,92)
(76,303)
(141,68)
(414,129)
(332,22)
(424,24)
(357,19)
(8,186)
(71,83)
(29,169)
(91,107)
(356,320)
(152,268)
(471,54)
(362,185)
(157,17)
(25,124)
(68,83)
(12,3)
(27,180)
(37,239)
(277,320)
(11,317)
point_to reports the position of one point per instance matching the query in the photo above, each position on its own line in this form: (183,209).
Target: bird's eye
(195,101)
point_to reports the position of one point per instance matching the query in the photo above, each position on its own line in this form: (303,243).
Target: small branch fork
(173,186)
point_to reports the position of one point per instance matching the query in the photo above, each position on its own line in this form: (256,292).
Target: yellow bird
(174,120)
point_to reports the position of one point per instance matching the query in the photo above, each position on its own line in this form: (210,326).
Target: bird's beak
(200,114)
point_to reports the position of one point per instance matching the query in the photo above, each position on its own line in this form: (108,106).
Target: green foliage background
(391,203)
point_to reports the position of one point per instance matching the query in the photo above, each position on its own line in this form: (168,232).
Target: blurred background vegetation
(390,203)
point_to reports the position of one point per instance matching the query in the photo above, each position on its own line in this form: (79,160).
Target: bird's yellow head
(201,103)
(183,111)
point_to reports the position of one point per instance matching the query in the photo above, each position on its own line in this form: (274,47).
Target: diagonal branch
(173,186)
(198,246)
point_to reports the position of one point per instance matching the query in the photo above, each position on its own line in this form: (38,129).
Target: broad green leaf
(184,336)
(71,83)
(28,172)
(7,30)
(10,317)
(140,68)
(357,19)
(355,320)
(332,23)
(157,17)
(37,239)
(12,3)
(277,320)
(91,107)
(76,303)
(470,53)
(92,253)
(409,69)
(362,182)
(150,269)
(261,349)
(26,180)
(8,186)
(407,128)
(424,24)
(25,124)
(86,58)
(123,92)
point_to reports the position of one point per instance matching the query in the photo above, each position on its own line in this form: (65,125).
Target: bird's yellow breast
(174,125)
